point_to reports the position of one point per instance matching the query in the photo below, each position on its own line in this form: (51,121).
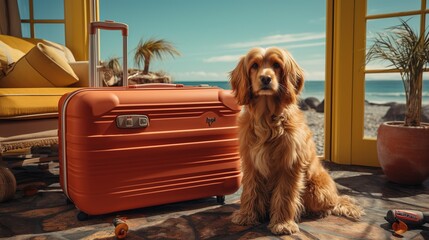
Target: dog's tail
(346,206)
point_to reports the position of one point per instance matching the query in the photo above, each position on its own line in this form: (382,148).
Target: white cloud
(304,45)
(318,20)
(225,58)
(279,39)
(313,62)
(314,75)
(235,58)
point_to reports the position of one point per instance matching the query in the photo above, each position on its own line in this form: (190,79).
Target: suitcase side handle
(157,85)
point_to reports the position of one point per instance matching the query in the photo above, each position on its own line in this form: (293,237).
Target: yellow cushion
(30,102)
(9,55)
(17,43)
(40,67)
(60,50)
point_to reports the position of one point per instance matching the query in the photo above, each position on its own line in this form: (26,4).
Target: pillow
(42,66)
(23,45)
(27,44)
(61,50)
(8,55)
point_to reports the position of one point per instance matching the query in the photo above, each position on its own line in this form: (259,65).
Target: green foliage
(114,64)
(151,49)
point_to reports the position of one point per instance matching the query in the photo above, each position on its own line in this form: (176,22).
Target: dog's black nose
(265,79)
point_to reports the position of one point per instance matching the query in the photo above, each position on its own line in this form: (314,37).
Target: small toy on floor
(121,228)
(402,219)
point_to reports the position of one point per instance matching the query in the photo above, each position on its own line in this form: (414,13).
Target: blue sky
(212,35)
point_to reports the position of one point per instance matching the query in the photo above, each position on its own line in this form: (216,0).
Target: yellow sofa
(34,74)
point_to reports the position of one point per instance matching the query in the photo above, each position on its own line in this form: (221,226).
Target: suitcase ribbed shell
(189,150)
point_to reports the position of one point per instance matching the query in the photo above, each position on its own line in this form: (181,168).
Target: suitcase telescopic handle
(109,25)
(93,50)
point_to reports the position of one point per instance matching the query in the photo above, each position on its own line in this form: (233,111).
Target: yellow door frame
(347,70)
(348,145)
(77,18)
(364,150)
(328,79)
(341,68)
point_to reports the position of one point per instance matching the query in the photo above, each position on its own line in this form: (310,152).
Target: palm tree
(409,54)
(153,48)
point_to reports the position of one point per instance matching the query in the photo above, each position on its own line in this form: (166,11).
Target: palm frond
(153,48)
(114,64)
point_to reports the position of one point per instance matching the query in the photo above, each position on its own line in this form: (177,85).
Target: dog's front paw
(288,227)
(240,218)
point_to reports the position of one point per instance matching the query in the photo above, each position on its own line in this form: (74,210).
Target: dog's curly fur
(282,176)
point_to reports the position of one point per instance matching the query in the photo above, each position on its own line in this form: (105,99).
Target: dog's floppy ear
(294,73)
(240,83)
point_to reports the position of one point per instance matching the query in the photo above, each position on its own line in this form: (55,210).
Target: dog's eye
(255,66)
(276,65)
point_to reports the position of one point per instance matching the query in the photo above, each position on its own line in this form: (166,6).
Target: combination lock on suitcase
(136,146)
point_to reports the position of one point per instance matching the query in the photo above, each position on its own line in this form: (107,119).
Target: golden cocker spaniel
(282,176)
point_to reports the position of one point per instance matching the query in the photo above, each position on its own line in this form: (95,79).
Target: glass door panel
(376,27)
(382,91)
(425,99)
(377,85)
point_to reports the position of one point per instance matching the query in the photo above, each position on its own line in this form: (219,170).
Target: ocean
(376,91)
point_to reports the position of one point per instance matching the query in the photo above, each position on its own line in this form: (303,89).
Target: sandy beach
(373,118)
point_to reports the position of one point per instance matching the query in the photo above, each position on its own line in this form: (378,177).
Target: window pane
(25,29)
(425,90)
(48,9)
(24,9)
(391,6)
(381,91)
(51,32)
(427,22)
(381,26)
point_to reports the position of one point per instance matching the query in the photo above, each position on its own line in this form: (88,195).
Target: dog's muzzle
(265,82)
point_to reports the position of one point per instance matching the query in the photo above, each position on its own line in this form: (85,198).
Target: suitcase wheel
(220,200)
(121,228)
(81,216)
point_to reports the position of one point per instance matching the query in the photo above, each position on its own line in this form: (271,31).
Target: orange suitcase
(130,147)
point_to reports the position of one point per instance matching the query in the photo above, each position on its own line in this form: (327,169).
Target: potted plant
(403,147)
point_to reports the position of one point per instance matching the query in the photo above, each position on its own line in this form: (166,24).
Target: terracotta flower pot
(403,152)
